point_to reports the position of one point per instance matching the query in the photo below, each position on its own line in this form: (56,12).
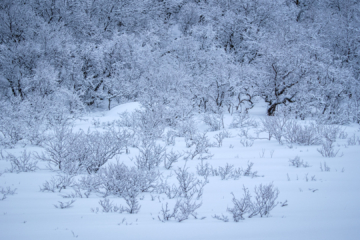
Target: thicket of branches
(176,57)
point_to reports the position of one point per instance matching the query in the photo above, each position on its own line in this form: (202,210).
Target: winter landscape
(179,119)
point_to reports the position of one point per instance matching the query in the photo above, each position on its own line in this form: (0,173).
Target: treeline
(180,56)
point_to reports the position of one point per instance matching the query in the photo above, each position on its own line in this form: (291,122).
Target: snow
(327,208)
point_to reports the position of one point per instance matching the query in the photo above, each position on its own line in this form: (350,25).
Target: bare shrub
(226,172)
(303,135)
(170,191)
(265,197)
(77,193)
(58,150)
(186,128)
(183,209)
(189,188)
(243,120)
(351,141)
(11,124)
(63,205)
(229,172)
(99,147)
(324,167)
(74,153)
(204,169)
(6,191)
(201,149)
(149,123)
(150,156)
(242,206)
(248,171)
(27,120)
(171,158)
(132,202)
(343,134)
(126,119)
(214,121)
(263,204)
(170,138)
(330,132)
(23,163)
(246,142)
(58,183)
(219,138)
(262,153)
(189,185)
(275,126)
(87,183)
(120,180)
(108,206)
(223,217)
(296,162)
(327,149)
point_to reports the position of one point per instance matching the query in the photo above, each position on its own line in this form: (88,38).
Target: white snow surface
(327,208)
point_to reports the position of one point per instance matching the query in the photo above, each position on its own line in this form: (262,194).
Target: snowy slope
(321,205)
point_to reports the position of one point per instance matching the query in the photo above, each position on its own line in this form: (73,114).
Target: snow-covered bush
(327,149)
(324,167)
(214,121)
(248,171)
(330,132)
(263,204)
(11,126)
(303,135)
(353,140)
(183,209)
(170,137)
(201,149)
(219,137)
(275,126)
(23,163)
(63,205)
(171,158)
(229,172)
(242,206)
(108,206)
(243,120)
(186,128)
(204,170)
(120,180)
(127,119)
(150,156)
(189,185)
(58,183)
(149,124)
(265,200)
(188,192)
(6,191)
(246,142)
(29,119)
(296,162)
(76,152)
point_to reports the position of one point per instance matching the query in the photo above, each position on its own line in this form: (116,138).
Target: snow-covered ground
(321,204)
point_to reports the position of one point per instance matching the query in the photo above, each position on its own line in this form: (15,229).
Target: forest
(179,57)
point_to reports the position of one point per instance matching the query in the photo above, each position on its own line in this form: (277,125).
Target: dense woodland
(177,58)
